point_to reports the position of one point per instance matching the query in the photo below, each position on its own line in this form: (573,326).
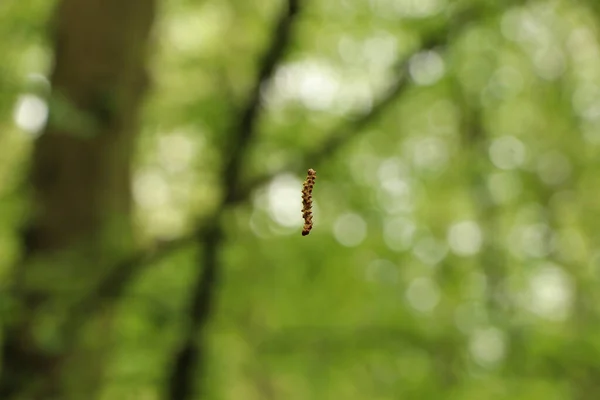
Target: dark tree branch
(343,133)
(189,359)
(247,119)
(114,283)
(347,130)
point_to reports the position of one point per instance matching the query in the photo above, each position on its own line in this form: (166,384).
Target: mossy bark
(80,181)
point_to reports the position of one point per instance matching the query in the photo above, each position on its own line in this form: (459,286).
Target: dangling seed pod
(307,188)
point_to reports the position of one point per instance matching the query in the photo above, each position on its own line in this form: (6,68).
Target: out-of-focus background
(152,155)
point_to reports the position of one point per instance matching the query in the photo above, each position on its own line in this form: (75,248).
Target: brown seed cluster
(307,188)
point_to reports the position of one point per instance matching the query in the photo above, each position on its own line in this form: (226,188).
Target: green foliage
(455,251)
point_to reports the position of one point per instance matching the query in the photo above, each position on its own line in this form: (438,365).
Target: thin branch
(189,359)
(245,129)
(340,136)
(115,282)
(347,130)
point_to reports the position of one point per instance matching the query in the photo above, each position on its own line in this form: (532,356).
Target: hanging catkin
(307,188)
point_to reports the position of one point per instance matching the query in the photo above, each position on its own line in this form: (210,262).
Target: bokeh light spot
(430,251)
(284,201)
(31,113)
(553,168)
(423,294)
(550,292)
(531,240)
(176,151)
(150,190)
(504,186)
(507,152)
(487,346)
(350,229)
(398,233)
(465,238)
(430,154)
(426,68)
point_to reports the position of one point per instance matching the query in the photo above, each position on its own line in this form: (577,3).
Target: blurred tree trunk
(80,177)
